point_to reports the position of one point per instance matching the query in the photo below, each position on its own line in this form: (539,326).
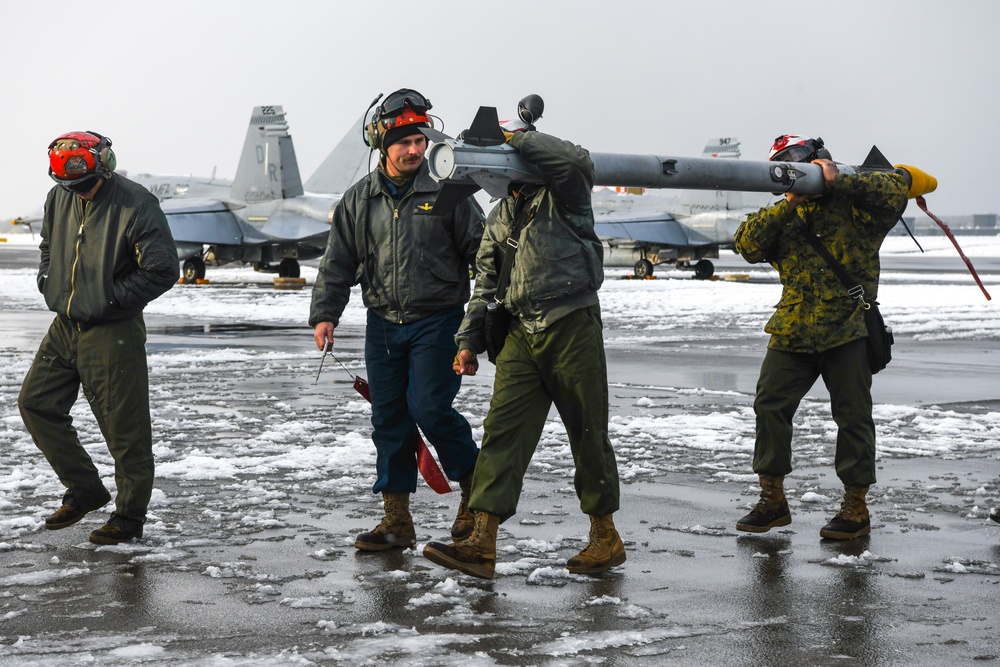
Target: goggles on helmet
(404,97)
(795,154)
(74,158)
(793,148)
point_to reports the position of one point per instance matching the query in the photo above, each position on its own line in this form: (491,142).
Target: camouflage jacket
(815,312)
(558,266)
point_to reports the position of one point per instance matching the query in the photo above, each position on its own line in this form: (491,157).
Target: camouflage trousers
(785,377)
(562,365)
(108,361)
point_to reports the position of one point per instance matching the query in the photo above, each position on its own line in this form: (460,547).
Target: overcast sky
(173,83)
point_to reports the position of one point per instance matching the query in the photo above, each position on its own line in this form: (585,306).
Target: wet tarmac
(256,568)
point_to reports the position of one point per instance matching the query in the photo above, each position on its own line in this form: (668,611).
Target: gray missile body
(494,168)
(481,158)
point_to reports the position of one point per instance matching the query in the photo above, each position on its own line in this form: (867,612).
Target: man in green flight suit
(818,329)
(553,353)
(106,252)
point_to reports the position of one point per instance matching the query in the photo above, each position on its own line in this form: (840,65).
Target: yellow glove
(920,181)
(507,135)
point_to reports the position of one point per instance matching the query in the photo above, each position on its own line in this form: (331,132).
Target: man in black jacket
(413,267)
(106,252)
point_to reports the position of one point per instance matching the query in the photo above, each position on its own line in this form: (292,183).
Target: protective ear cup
(108,160)
(105,160)
(371,135)
(370,132)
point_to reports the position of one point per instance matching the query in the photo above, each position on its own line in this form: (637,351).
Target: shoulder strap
(509,248)
(854,288)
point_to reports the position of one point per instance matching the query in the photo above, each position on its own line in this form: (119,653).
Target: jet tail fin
(722,147)
(268,169)
(345,166)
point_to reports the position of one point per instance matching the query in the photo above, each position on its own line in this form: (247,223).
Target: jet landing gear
(193,270)
(288,268)
(703,269)
(642,269)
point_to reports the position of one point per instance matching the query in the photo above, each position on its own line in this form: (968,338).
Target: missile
(481,158)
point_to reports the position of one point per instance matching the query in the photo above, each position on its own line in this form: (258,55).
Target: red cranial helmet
(75,157)
(403,113)
(793,148)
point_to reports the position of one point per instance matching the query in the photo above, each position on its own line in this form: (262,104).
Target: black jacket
(409,262)
(106,258)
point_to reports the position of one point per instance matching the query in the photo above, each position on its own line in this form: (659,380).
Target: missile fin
(450,195)
(876,161)
(496,185)
(485,129)
(434,135)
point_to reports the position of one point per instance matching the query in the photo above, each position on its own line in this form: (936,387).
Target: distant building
(977,224)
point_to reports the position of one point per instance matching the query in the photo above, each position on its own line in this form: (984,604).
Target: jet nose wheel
(289,268)
(193,270)
(704,269)
(643,268)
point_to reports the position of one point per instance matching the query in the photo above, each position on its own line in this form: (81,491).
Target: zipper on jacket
(395,281)
(76,258)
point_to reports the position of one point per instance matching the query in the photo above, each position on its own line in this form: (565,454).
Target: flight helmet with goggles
(78,159)
(793,148)
(402,113)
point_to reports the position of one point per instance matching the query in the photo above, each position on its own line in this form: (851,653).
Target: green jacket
(106,258)
(558,267)
(815,312)
(408,262)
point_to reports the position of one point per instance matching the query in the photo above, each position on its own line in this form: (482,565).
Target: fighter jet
(683,229)
(264,216)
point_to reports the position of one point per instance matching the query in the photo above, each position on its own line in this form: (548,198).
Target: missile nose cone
(920,181)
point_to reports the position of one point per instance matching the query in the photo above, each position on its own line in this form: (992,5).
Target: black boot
(771,510)
(118,529)
(74,509)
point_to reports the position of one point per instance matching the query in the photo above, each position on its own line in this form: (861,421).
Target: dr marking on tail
(683,229)
(265,216)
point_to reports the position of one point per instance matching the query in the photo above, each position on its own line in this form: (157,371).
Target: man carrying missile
(818,328)
(413,267)
(553,353)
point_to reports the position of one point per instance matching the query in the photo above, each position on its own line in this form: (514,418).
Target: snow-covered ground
(250,450)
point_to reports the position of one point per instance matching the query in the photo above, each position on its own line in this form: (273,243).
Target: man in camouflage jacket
(818,330)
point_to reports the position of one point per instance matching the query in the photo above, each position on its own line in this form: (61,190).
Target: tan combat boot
(852,520)
(465,519)
(771,510)
(395,531)
(604,551)
(476,554)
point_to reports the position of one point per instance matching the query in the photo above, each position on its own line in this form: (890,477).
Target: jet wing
(289,226)
(207,222)
(662,231)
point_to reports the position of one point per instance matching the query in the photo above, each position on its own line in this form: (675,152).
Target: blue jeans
(412,384)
